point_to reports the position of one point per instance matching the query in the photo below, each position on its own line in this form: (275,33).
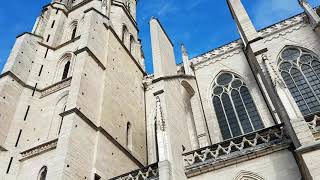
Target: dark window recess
(64,109)
(9,165)
(17,142)
(27,112)
(66,70)
(40,70)
(43,173)
(45,56)
(97,177)
(34,89)
(48,38)
(52,25)
(74,31)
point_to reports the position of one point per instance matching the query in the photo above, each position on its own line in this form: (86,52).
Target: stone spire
(311,13)
(186,62)
(246,29)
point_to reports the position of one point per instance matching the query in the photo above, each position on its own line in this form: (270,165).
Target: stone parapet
(236,150)
(149,172)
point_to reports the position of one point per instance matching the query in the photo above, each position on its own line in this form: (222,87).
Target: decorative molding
(236,150)
(159,115)
(314,125)
(246,175)
(145,173)
(47,146)
(220,55)
(269,33)
(56,87)
(273,72)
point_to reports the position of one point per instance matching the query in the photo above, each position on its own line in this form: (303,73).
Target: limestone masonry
(76,102)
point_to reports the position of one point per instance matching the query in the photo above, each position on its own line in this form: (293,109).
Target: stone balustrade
(147,173)
(237,149)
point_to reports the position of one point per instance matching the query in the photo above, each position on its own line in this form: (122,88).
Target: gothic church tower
(72,99)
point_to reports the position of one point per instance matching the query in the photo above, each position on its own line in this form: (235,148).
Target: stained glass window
(234,107)
(300,69)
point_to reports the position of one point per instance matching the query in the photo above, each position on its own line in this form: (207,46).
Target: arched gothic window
(234,106)
(131,44)
(43,173)
(74,32)
(129,136)
(300,69)
(66,70)
(124,33)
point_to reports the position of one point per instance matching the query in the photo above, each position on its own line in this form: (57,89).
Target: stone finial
(186,62)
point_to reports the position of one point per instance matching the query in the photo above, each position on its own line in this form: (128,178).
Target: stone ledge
(39,149)
(56,87)
(3,149)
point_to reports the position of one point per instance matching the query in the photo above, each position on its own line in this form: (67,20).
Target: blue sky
(201,25)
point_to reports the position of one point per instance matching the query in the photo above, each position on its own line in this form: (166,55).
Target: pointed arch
(124,33)
(247,175)
(131,46)
(129,136)
(43,173)
(235,109)
(72,30)
(300,69)
(64,67)
(59,107)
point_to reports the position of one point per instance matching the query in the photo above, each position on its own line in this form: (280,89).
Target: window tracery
(300,70)
(234,106)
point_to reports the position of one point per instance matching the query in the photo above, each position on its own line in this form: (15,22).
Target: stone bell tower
(72,98)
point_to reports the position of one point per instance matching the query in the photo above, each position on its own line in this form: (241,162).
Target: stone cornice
(91,54)
(61,45)
(102,131)
(39,149)
(268,33)
(178,76)
(22,83)
(45,91)
(31,34)
(56,87)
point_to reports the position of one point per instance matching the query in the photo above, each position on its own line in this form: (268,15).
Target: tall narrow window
(131,44)
(300,69)
(48,38)
(43,173)
(9,165)
(124,33)
(129,136)
(18,138)
(66,70)
(234,107)
(52,25)
(74,31)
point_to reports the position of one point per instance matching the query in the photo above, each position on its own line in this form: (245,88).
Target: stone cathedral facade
(76,102)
